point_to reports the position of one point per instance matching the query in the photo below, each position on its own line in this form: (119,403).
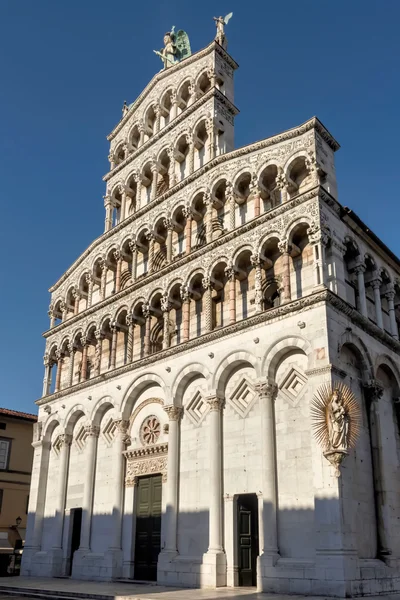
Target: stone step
(50,594)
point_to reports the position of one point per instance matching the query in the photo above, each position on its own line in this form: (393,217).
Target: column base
(27,560)
(113,560)
(55,561)
(264,564)
(213,569)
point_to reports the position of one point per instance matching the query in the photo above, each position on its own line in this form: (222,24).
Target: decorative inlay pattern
(293,385)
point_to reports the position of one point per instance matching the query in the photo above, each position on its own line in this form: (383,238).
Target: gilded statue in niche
(336,417)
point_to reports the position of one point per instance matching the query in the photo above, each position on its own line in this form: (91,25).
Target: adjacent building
(175,436)
(16,455)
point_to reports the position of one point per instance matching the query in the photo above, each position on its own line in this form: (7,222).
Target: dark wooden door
(76,524)
(148,528)
(247,528)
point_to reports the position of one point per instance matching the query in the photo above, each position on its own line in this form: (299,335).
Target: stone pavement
(25,588)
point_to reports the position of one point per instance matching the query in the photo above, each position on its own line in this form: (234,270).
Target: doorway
(148,528)
(75,528)
(247,539)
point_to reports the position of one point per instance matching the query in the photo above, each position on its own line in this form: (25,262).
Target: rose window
(150,430)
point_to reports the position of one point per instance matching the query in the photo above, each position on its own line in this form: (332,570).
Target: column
(230,274)
(131,326)
(118,258)
(207,286)
(170,228)
(60,360)
(285,249)
(190,143)
(187,213)
(77,297)
(390,295)
(147,316)
(174,414)
(134,250)
(92,432)
(84,343)
(215,448)
(111,161)
(258,295)
(209,204)
(376,286)
(154,171)
(174,105)
(282,186)
(123,202)
(141,134)
(51,316)
(255,191)
(71,350)
(150,262)
(359,270)
(211,139)
(47,375)
(108,207)
(185,295)
(192,93)
(99,335)
(103,281)
(138,180)
(61,489)
(267,392)
(113,358)
(63,308)
(230,197)
(90,282)
(171,170)
(165,307)
(118,468)
(157,111)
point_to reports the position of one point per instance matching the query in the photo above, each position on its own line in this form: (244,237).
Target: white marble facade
(187,342)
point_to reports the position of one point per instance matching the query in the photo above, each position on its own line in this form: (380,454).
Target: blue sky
(66,68)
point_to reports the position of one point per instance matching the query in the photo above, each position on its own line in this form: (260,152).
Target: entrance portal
(148,527)
(247,538)
(75,528)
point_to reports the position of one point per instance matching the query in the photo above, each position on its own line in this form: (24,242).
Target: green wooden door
(247,539)
(148,528)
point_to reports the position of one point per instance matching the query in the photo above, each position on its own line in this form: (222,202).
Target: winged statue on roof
(220,23)
(176,47)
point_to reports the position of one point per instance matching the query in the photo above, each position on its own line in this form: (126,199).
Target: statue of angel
(176,47)
(220,23)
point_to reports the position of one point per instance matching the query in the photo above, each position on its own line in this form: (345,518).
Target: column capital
(230,272)
(133,247)
(76,293)
(117,255)
(99,334)
(376,283)
(150,236)
(107,201)
(71,348)
(166,304)
(46,360)
(146,310)
(207,283)
(92,430)
(215,402)
(168,223)
(65,439)
(360,268)
(185,293)
(84,341)
(390,294)
(284,247)
(89,278)
(121,426)
(255,260)
(174,412)
(129,320)
(59,354)
(373,390)
(187,212)
(267,389)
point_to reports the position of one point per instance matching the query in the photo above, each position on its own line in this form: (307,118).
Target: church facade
(175,438)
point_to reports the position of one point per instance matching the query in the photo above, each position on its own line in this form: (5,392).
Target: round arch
(229,363)
(281,347)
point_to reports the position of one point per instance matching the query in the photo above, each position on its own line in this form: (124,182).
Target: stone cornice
(313,123)
(280,312)
(193,256)
(146,451)
(164,73)
(214,92)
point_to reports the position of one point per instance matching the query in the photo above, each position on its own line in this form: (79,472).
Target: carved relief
(146,461)
(150,430)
